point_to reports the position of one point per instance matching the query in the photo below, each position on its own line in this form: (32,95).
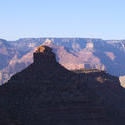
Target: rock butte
(47,93)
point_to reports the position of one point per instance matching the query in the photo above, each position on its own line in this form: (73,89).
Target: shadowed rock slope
(46,93)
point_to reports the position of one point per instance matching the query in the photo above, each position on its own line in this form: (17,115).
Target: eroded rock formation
(47,93)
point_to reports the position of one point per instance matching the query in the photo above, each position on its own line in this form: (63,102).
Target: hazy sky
(62,18)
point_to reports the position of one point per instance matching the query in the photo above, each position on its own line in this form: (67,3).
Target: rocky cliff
(72,53)
(47,93)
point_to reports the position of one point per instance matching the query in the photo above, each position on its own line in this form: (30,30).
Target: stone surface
(44,54)
(47,93)
(100,54)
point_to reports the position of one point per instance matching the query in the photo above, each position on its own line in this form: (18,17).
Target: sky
(62,18)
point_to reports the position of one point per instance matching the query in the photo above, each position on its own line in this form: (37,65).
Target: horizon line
(62,38)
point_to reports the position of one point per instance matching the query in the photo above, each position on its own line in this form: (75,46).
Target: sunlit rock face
(44,54)
(89,45)
(122,81)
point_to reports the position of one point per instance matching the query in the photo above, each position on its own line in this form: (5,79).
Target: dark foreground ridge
(45,93)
